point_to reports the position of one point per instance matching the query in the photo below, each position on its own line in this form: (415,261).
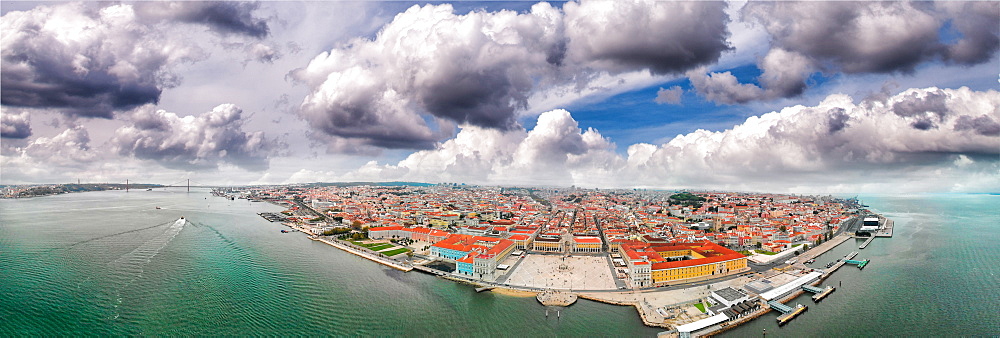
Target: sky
(798,97)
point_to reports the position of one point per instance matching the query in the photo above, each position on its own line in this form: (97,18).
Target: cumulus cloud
(555,152)
(723,87)
(92,61)
(669,96)
(662,36)
(430,69)
(194,142)
(69,148)
(859,38)
(828,145)
(15,126)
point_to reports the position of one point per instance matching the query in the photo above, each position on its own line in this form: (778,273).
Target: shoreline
(384,261)
(513,291)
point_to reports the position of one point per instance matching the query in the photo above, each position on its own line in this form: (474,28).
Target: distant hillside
(380,184)
(46,190)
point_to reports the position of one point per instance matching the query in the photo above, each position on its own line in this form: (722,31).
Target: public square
(578,272)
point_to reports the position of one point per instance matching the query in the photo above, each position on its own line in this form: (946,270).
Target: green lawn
(765,252)
(700,306)
(380,246)
(394,252)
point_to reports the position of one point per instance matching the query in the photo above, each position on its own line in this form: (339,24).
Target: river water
(110,263)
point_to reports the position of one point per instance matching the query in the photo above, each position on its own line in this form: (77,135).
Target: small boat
(150,189)
(158,208)
(285,231)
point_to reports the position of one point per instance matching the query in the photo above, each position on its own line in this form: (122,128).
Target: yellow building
(682,261)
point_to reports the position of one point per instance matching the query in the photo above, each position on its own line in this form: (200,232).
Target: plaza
(564,272)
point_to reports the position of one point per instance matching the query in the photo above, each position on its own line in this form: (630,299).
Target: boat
(150,189)
(285,231)
(158,208)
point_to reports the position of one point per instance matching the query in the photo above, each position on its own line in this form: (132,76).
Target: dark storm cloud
(41,82)
(431,66)
(87,60)
(228,17)
(857,37)
(979,24)
(90,64)
(15,126)
(664,37)
(194,142)
(982,125)
(487,97)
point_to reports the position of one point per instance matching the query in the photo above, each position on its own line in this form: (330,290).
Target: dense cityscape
(581,168)
(621,243)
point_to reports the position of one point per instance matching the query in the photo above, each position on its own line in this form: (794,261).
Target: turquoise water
(110,263)
(938,276)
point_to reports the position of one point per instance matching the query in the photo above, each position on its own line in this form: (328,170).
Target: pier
(818,293)
(884,231)
(865,244)
(787,313)
(860,264)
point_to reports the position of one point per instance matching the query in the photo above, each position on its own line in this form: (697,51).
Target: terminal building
(869,225)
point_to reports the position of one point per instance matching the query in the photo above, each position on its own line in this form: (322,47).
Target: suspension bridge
(186,183)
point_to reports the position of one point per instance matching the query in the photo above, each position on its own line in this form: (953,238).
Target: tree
(782,228)
(805,247)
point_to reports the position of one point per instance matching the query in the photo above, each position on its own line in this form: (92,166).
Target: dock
(432,271)
(785,318)
(865,244)
(819,293)
(488,288)
(860,264)
(787,313)
(886,230)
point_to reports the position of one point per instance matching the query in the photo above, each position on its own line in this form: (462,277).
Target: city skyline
(785,96)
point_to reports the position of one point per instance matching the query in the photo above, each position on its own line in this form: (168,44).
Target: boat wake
(129,267)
